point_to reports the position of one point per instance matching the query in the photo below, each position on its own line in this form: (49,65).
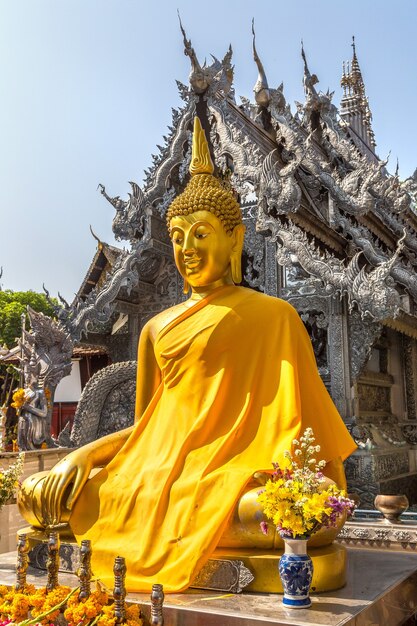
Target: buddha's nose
(188,247)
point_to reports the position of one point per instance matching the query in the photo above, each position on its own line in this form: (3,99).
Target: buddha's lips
(191,263)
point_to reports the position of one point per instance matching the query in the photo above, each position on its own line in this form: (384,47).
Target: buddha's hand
(66,479)
(64,483)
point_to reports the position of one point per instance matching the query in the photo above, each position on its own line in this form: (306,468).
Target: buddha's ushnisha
(205,192)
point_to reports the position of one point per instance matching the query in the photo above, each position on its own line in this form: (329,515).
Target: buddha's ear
(236,256)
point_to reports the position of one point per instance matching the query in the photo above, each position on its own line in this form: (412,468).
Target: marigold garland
(81,612)
(19,399)
(50,601)
(36,606)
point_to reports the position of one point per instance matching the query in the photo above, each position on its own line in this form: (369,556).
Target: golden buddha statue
(226,381)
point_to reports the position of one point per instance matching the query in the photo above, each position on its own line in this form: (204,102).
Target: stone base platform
(381,589)
(227,570)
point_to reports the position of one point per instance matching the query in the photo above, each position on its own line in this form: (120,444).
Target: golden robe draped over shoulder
(239,382)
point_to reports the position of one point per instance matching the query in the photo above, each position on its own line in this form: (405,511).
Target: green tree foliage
(12,305)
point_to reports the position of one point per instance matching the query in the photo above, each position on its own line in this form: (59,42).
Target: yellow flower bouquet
(298,499)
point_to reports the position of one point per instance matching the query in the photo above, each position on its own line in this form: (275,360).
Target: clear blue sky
(87,88)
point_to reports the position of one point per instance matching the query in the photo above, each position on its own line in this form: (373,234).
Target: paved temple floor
(381,589)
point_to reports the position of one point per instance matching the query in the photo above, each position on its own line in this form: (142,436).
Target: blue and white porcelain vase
(296,572)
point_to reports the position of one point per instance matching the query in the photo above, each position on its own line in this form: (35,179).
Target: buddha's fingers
(61,488)
(46,514)
(79,481)
(46,499)
(52,493)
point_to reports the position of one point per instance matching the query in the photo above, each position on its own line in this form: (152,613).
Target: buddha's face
(202,249)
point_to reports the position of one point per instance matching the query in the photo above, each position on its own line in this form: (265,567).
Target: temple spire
(198,77)
(354,106)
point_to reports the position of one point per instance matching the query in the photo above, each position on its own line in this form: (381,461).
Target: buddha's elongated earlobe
(236,267)
(236,256)
(186,287)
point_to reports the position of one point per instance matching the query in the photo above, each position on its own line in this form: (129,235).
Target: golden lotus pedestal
(227,570)
(330,565)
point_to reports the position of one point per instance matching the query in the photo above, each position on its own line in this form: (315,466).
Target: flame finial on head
(201,162)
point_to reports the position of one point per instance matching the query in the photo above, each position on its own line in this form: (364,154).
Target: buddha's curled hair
(205,192)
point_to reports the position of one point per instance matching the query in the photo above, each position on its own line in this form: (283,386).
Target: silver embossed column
(340,382)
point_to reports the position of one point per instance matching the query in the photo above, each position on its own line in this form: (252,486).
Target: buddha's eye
(177,240)
(200,233)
